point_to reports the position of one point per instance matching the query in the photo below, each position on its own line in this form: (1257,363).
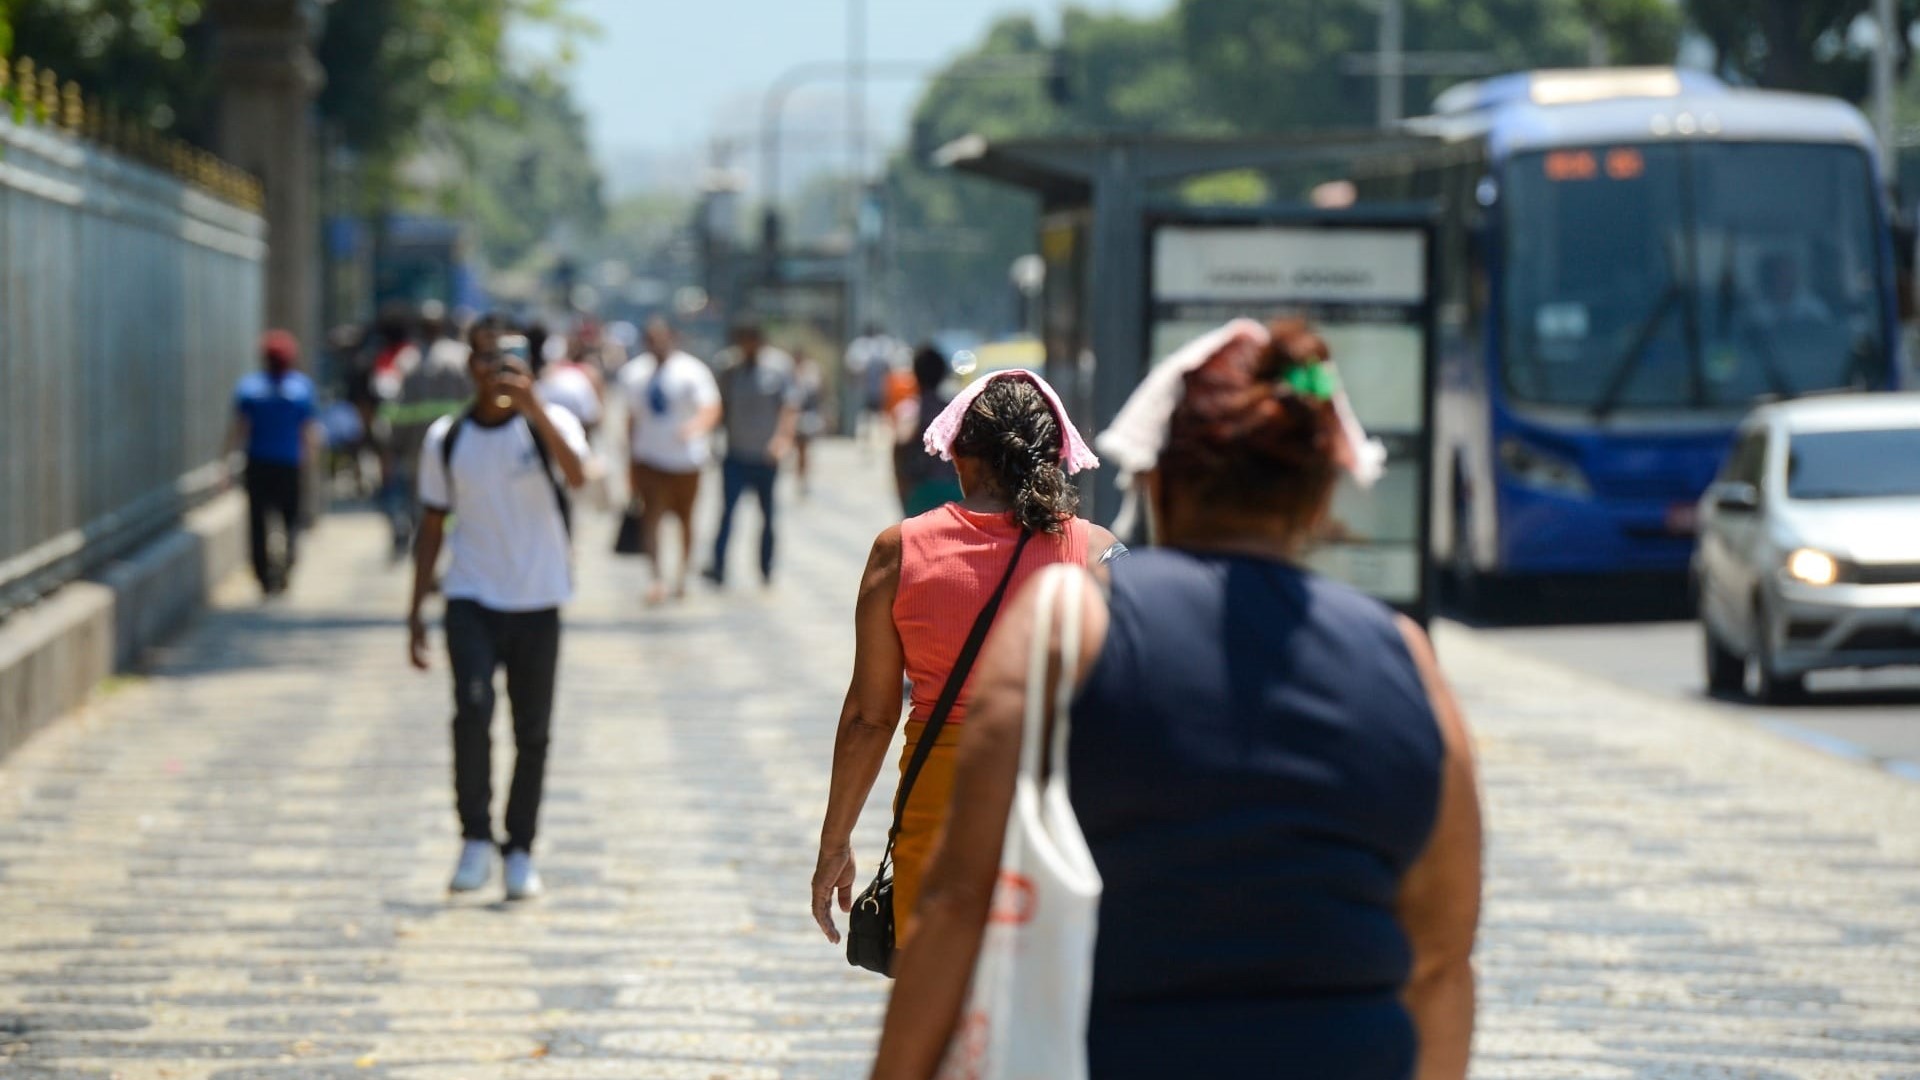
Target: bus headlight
(1810,567)
(1542,471)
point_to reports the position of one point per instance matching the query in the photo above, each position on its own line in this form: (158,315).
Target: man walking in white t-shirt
(500,466)
(673,405)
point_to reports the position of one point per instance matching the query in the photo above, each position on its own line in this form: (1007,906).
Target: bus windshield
(1690,275)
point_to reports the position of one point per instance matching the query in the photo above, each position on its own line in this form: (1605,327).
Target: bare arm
(703,422)
(938,962)
(1439,905)
(784,434)
(237,433)
(867,723)
(426,558)
(527,403)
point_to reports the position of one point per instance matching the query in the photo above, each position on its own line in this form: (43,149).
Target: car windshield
(1690,276)
(1854,464)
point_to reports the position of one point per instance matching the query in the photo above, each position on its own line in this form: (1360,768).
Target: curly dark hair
(1012,429)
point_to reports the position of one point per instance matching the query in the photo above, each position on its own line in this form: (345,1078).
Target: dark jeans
(527,643)
(272,489)
(736,478)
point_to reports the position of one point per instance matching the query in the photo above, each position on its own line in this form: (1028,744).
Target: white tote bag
(1026,1011)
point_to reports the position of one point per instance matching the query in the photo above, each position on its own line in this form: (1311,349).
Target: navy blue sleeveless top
(1256,765)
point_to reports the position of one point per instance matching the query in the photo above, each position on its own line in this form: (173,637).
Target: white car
(1809,554)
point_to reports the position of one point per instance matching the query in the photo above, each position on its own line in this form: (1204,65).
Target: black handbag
(870,923)
(632,539)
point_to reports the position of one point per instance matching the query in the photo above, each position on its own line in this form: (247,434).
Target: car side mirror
(1736,498)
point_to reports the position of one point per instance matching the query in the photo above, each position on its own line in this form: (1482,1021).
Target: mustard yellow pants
(920,826)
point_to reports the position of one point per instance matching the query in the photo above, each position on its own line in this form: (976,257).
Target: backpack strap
(546,467)
(446,450)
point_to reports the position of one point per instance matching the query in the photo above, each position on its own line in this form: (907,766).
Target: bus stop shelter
(1108,220)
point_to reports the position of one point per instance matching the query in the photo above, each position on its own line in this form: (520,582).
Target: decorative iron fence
(131,278)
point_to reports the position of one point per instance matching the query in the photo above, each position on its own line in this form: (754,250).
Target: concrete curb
(55,653)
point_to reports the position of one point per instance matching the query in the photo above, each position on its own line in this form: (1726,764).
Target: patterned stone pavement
(234,868)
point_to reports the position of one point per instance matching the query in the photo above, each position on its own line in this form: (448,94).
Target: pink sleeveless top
(950,561)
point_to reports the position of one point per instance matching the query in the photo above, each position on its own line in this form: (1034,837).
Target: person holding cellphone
(503,468)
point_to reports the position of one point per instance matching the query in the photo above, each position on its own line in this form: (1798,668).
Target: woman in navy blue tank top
(1275,783)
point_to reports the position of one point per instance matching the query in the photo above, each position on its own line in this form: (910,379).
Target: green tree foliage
(146,58)
(1271,67)
(1121,73)
(1207,66)
(530,172)
(1795,44)
(396,66)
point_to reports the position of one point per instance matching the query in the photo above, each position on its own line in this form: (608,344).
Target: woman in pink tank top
(926,583)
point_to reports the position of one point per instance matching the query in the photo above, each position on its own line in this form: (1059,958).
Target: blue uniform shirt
(277,412)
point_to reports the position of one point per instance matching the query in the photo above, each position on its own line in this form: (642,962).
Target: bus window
(1690,276)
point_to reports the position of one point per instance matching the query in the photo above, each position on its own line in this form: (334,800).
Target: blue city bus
(1629,259)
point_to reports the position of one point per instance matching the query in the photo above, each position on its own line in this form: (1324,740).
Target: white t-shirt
(508,545)
(571,388)
(686,387)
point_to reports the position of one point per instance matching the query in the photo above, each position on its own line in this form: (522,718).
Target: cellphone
(516,347)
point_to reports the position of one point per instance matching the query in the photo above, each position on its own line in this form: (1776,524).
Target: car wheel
(1726,672)
(1763,683)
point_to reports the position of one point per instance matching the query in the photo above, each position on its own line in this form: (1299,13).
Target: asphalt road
(1634,638)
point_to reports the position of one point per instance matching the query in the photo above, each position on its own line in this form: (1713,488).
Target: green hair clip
(1317,381)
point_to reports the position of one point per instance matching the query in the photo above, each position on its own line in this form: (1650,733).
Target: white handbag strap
(1061,587)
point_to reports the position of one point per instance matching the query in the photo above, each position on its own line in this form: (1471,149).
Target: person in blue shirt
(274,419)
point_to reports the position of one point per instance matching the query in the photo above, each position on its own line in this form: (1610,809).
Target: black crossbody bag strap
(962,667)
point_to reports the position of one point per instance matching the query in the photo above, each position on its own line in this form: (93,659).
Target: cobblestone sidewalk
(235,868)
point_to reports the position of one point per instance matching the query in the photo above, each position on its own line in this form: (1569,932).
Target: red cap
(280,348)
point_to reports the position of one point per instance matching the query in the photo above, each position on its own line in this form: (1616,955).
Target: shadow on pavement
(1570,601)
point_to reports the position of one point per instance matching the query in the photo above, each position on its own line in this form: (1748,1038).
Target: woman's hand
(833,873)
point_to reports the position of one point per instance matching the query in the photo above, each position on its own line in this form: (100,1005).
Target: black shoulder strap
(446,450)
(546,468)
(962,667)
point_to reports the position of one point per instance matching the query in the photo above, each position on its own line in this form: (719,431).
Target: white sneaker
(523,881)
(476,867)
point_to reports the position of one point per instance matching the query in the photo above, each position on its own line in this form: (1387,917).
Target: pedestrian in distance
(811,384)
(673,405)
(1270,773)
(760,413)
(931,586)
(870,361)
(924,480)
(503,466)
(437,386)
(275,421)
(565,381)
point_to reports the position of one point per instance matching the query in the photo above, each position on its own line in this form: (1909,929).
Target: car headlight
(1542,471)
(1810,567)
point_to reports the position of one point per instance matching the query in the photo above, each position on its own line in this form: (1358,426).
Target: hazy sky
(668,76)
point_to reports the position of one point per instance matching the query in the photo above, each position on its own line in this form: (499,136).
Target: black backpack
(539,447)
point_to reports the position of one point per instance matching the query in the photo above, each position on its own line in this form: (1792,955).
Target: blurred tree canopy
(1205,66)
(1809,45)
(403,77)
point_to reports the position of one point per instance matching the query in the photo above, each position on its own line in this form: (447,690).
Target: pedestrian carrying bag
(1025,1016)
(870,924)
(632,539)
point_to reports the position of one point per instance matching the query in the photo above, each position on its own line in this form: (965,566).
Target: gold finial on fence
(29,83)
(49,96)
(73,108)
